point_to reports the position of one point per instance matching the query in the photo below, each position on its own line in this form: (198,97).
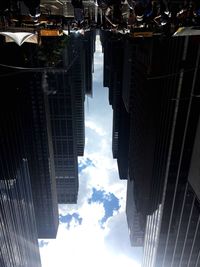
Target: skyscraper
(67,112)
(160,92)
(64,139)
(28,98)
(113,48)
(18,229)
(41,156)
(172,231)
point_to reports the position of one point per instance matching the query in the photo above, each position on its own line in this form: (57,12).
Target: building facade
(160,93)
(18,229)
(113,49)
(174,239)
(31,102)
(67,112)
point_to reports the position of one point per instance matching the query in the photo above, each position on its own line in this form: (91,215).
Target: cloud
(92,126)
(117,238)
(88,243)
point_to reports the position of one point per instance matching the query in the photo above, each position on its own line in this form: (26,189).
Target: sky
(94,231)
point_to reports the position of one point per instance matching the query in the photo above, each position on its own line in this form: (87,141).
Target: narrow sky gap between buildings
(94,229)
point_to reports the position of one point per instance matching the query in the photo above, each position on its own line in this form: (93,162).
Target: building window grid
(151,241)
(179,225)
(154,237)
(14,214)
(186,234)
(148,241)
(193,242)
(66,147)
(178,171)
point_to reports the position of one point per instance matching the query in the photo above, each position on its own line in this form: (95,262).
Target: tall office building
(172,230)
(19,244)
(117,72)
(18,230)
(67,112)
(113,49)
(160,92)
(134,219)
(41,156)
(144,99)
(31,101)
(64,138)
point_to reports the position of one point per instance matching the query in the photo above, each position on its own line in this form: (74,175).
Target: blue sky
(85,164)
(69,218)
(110,203)
(95,229)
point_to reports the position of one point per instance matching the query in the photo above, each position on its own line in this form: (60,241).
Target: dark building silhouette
(160,92)
(32,103)
(113,48)
(64,140)
(89,47)
(18,229)
(172,231)
(42,168)
(134,218)
(67,112)
(114,60)
(19,244)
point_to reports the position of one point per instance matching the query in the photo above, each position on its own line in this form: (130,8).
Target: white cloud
(117,239)
(91,125)
(89,245)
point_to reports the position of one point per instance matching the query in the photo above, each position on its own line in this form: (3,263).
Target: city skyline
(99,133)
